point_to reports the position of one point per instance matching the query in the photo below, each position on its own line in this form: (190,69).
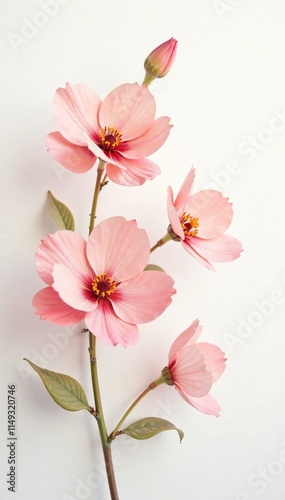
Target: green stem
(148,79)
(161,242)
(106,445)
(151,386)
(100,171)
(98,413)
(104,181)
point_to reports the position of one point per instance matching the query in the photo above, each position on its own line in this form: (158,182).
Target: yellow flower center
(110,137)
(189,224)
(103,286)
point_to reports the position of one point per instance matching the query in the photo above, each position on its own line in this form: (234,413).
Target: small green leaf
(61,214)
(153,267)
(64,390)
(149,427)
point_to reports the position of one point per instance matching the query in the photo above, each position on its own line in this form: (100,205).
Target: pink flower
(121,130)
(193,368)
(160,60)
(101,281)
(199,222)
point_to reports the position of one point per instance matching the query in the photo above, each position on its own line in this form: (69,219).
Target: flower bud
(160,60)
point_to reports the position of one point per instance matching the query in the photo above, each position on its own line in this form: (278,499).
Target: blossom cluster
(104,280)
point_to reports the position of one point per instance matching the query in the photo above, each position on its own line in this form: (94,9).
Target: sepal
(153,267)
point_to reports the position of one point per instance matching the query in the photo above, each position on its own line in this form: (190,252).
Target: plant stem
(161,242)
(104,181)
(106,445)
(100,171)
(148,79)
(151,386)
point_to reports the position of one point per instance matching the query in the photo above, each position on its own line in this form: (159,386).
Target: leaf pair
(70,395)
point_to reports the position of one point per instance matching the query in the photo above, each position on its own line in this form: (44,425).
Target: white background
(225,96)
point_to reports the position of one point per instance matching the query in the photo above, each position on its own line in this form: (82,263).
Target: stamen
(110,137)
(103,286)
(189,224)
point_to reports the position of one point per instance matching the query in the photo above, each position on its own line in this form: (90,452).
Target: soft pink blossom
(194,367)
(160,60)
(120,130)
(199,221)
(101,281)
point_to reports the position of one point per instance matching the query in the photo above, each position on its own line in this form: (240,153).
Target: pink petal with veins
(78,159)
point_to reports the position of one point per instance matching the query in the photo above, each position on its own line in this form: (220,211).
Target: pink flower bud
(160,60)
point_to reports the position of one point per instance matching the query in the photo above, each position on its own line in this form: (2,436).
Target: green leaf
(61,214)
(64,390)
(149,427)
(153,267)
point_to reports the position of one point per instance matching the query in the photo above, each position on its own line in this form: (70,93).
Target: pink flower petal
(186,338)
(207,404)
(189,374)
(75,290)
(78,159)
(104,323)
(173,216)
(97,150)
(214,359)
(187,245)
(223,249)
(129,108)
(49,306)
(131,172)
(149,142)
(76,113)
(215,213)
(184,192)
(143,298)
(63,247)
(118,248)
